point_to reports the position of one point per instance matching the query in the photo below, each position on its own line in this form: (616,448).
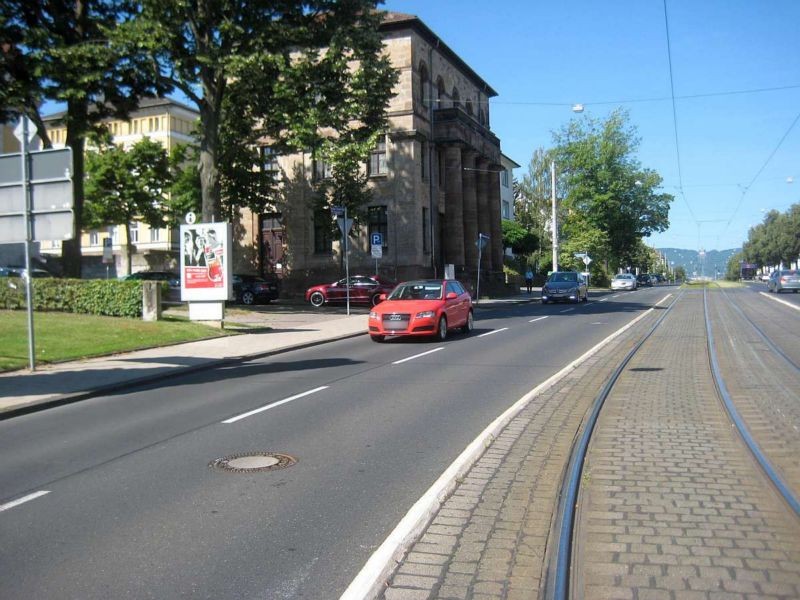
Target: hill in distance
(712,261)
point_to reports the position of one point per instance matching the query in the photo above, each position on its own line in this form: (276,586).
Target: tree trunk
(77,116)
(128,246)
(209,155)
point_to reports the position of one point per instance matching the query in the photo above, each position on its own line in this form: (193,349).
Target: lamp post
(555,215)
(482,239)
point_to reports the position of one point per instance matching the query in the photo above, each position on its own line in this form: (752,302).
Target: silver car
(624,281)
(784,280)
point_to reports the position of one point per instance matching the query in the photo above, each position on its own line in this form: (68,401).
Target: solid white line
(397,362)
(616,296)
(663,299)
(605,299)
(537,319)
(771,297)
(492,332)
(23,500)
(369,582)
(274,404)
(569,309)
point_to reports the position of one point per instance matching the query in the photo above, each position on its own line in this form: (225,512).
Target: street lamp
(482,241)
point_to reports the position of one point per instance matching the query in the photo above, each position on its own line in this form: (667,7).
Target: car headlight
(373,315)
(426,314)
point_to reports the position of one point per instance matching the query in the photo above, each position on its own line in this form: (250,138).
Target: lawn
(65,336)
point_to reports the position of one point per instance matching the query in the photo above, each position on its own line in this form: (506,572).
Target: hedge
(108,297)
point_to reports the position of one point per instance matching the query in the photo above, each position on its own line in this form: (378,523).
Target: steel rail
(557,586)
(763,335)
(734,415)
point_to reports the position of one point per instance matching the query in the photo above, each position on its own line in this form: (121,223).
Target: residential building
(434,176)
(166,121)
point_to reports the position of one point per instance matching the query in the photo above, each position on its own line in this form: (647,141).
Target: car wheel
(248,298)
(317,299)
(441,331)
(376,338)
(375,300)
(469,325)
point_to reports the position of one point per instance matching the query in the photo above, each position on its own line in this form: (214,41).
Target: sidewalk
(282,327)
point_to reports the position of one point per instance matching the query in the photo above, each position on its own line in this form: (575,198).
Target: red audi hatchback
(429,307)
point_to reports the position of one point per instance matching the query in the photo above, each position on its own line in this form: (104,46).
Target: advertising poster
(206,262)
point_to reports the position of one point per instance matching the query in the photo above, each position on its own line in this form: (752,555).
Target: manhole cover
(251,462)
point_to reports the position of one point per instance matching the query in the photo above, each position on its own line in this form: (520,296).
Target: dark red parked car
(364,289)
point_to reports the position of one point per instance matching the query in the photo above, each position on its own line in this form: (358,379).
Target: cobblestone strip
(488,540)
(672,505)
(764,389)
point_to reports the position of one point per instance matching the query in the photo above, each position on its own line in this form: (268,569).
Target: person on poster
(199,253)
(188,249)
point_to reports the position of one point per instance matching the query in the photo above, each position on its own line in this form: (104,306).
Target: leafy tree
(184,191)
(604,186)
(267,72)
(126,185)
(733,268)
(532,199)
(518,238)
(68,52)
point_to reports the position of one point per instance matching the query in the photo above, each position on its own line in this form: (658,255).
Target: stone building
(434,178)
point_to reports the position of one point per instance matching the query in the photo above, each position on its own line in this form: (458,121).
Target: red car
(364,289)
(429,307)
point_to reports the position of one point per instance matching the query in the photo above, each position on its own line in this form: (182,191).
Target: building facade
(434,176)
(165,121)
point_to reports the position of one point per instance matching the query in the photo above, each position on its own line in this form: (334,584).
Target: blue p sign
(377,239)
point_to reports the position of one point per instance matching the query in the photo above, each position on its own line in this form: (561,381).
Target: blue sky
(736,150)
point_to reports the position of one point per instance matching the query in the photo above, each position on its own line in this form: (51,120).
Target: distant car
(644,279)
(624,281)
(173,279)
(565,286)
(784,280)
(364,289)
(427,307)
(764,277)
(252,289)
(16,271)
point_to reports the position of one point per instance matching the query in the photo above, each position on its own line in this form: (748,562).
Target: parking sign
(377,239)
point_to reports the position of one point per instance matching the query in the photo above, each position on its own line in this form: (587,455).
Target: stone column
(484,215)
(495,213)
(470,190)
(453,208)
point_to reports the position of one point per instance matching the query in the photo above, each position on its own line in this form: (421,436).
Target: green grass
(66,336)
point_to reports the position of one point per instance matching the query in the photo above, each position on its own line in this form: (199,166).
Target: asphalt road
(133,509)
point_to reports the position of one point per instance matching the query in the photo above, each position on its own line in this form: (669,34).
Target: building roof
(394,21)
(513,163)
(148,104)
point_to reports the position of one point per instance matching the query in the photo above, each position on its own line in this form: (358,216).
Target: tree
(518,238)
(68,52)
(127,185)
(605,189)
(278,73)
(532,198)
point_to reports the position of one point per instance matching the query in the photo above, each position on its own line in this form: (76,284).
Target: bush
(108,297)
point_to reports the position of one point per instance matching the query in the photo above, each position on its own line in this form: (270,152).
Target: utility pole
(555,217)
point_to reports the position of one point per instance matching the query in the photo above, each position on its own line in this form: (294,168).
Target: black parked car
(252,289)
(644,279)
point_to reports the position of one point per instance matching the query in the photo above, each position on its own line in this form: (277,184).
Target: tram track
(701,479)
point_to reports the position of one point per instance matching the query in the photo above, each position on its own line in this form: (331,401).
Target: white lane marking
(616,295)
(274,404)
(606,299)
(492,332)
(569,309)
(397,362)
(23,500)
(663,299)
(370,580)
(771,297)
(537,319)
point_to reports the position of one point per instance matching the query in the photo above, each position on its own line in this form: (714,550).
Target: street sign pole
(346,260)
(28,238)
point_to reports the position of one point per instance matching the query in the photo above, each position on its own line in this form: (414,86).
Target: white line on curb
(789,304)
(370,581)
(397,362)
(492,332)
(23,500)
(274,404)
(537,319)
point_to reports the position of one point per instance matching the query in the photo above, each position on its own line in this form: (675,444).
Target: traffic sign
(376,239)
(337,211)
(377,251)
(586,260)
(344,225)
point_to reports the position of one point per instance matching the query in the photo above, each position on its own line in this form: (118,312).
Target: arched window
(456,98)
(423,84)
(469,107)
(439,92)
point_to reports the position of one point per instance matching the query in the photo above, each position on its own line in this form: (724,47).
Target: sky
(726,157)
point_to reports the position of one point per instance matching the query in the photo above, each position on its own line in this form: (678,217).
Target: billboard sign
(206,262)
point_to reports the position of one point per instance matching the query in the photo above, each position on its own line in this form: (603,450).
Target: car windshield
(622,277)
(417,291)
(567,277)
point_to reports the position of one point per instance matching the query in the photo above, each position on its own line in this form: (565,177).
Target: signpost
(376,246)
(35,204)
